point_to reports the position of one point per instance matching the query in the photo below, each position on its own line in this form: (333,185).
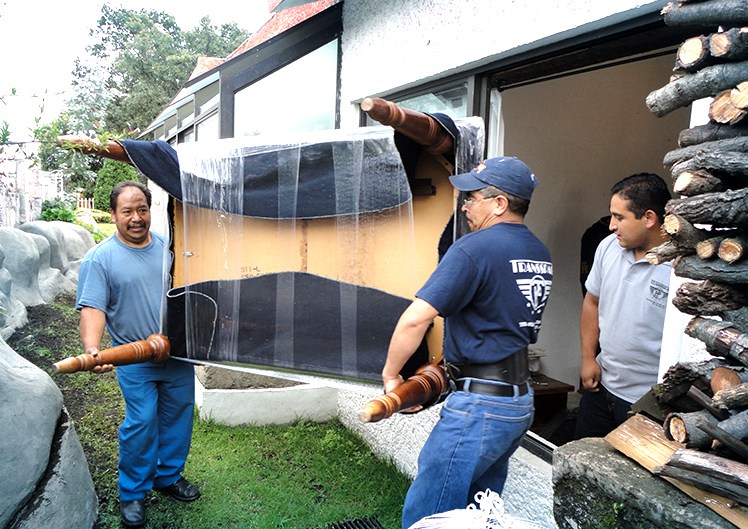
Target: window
(299,97)
(206,98)
(452,101)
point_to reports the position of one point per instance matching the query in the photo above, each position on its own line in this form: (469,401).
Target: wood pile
(708,228)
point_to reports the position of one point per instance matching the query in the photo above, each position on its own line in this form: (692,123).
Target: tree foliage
(151,58)
(110,175)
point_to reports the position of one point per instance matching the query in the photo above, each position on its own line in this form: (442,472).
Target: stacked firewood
(708,230)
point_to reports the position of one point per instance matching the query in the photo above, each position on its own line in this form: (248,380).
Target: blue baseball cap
(506,173)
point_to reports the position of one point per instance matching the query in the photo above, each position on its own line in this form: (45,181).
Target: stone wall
(45,479)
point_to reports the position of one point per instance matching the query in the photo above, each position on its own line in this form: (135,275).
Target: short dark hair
(643,191)
(517,205)
(121,186)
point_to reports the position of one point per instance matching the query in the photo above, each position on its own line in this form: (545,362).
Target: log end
(367,104)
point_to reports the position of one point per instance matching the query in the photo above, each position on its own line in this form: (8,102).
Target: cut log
(738,318)
(709,298)
(733,249)
(709,469)
(728,438)
(738,144)
(692,267)
(732,13)
(683,232)
(705,402)
(720,337)
(721,109)
(678,379)
(708,248)
(705,482)
(644,441)
(709,132)
(667,251)
(723,378)
(694,182)
(681,427)
(729,44)
(694,54)
(734,397)
(726,209)
(708,472)
(706,82)
(739,95)
(729,166)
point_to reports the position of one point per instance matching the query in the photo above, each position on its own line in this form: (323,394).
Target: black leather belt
(514,369)
(493,390)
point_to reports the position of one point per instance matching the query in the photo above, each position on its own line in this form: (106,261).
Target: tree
(110,175)
(151,58)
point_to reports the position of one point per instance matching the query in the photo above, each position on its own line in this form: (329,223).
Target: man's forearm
(589,327)
(92,326)
(408,335)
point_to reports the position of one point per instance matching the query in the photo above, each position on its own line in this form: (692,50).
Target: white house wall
(390,44)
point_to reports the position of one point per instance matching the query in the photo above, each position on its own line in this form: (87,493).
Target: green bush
(111,174)
(101,217)
(56,209)
(97,235)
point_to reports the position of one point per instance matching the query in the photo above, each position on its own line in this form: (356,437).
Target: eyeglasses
(470,201)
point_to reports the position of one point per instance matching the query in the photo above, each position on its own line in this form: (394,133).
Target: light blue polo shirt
(633,297)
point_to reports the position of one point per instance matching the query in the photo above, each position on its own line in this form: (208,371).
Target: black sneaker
(182,490)
(132,512)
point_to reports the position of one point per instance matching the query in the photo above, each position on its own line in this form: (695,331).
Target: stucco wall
(389,44)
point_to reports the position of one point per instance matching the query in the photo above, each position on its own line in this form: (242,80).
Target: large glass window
(208,129)
(298,97)
(206,98)
(451,101)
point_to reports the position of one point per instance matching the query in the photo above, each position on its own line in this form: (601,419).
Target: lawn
(301,476)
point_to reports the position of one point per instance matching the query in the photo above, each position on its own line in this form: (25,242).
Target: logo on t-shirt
(537,287)
(657,293)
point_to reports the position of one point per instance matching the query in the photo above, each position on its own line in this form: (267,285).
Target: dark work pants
(600,413)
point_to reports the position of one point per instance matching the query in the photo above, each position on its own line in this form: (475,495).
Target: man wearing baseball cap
(491,287)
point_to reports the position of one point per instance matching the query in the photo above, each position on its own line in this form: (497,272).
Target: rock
(58,252)
(30,404)
(46,482)
(51,280)
(597,487)
(66,496)
(22,261)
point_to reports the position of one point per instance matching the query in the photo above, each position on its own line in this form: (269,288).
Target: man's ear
(652,219)
(502,205)
(111,212)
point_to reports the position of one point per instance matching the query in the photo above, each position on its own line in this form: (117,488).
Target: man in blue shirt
(491,287)
(120,287)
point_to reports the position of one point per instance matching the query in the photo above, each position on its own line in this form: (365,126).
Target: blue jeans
(155,437)
(467,451)
(600,412)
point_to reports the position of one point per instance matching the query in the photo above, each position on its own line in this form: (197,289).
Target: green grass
(301,476)
(107,229)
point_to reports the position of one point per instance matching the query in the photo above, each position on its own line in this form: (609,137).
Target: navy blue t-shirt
(491,287)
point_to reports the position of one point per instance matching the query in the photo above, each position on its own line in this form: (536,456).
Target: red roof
(280,22)
(204,64)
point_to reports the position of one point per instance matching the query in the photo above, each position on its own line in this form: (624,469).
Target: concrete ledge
(261,407)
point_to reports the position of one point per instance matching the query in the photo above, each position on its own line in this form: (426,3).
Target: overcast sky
(42,38)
